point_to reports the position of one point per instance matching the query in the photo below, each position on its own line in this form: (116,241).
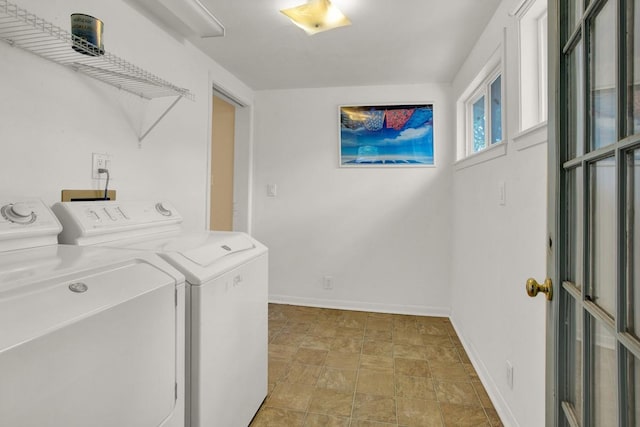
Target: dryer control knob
(162,210)
(18,213)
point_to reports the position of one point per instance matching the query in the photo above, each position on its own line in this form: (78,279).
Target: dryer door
(97,350)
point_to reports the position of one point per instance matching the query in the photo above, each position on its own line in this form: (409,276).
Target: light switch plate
(502,193)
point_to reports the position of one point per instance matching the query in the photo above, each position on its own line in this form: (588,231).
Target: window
(484,114)
(478,124)
(480,113)
(532,30)
(496,110)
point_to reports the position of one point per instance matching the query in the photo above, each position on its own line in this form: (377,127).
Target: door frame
(553,220)
(243,162)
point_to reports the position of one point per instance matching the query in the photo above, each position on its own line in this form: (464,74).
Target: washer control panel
(31,212)
(27,223)
(19,213)
(128,218)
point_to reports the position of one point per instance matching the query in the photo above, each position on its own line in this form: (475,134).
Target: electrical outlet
(509,375)
(327,282)
(100,161)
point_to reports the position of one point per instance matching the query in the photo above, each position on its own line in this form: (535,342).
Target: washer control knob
(19,213)
(20,210)
(162,210)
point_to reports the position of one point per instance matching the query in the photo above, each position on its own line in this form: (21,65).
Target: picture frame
(386,135)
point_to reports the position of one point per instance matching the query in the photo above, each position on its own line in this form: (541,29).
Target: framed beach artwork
(386,135)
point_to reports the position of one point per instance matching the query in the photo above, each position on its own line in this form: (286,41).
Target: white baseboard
(362,306)
(506,416)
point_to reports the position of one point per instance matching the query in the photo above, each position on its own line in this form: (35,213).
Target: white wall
(496,248)
(383,234)
(53,118)
(243,170)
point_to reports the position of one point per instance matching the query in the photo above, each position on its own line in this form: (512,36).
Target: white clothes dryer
(227,311)
(88,336)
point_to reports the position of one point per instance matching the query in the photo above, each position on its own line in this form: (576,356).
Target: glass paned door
(594,213)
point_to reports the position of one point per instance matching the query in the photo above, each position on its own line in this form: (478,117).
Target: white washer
(88,336)
(227,285)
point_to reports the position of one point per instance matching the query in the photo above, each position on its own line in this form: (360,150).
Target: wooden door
(222,158)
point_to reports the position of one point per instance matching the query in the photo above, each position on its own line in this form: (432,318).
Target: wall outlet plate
(272,190)
(327,282)
(100,161)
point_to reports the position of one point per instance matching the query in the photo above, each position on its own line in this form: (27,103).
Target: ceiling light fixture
(316,16)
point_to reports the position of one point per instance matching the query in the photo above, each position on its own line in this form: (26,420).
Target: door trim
(553,223)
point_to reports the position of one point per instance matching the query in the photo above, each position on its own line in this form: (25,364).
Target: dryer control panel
(103,221)
(27,223)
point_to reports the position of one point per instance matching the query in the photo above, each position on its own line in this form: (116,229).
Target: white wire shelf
(23,29)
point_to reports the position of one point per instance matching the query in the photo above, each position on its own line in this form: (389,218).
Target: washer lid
(21,268)
(66,283)
(81,317)
(203,248)
(200,255)
(214,249)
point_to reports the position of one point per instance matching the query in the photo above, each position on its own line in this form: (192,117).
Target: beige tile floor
(349,368)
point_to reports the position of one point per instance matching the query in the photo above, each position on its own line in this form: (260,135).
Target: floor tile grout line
(355,388)
(395,394)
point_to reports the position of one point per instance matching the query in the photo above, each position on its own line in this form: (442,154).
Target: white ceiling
(389,42)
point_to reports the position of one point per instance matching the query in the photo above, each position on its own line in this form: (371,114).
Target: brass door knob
(533,287)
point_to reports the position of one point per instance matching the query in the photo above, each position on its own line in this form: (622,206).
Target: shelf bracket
(143,136)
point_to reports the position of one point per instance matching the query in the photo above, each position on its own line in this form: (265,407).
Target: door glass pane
(478,125)
(574,14)
(603,93)
(604,401)
(576,102)
(573,355)
(603,249)
(575,225)
(496,110)
(634,59)
(634,374)
(633,231)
